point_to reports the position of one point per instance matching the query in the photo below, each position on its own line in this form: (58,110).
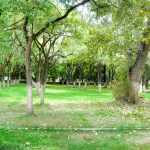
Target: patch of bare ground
(76,106)
(144,140)
(56,119)
(7,118)
(143,102)
(81,136)
(2,108)
(72,104)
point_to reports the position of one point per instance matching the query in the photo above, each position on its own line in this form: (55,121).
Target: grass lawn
(68,107)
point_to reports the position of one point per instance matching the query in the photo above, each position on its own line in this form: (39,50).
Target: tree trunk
(3,83)
(110,76)
(42,93)
(67,82)
(85,85)
(144,82)
(29,78)
(43,79)
(143,88)
(138,68)
(37,88)
(8,79)
(79,84)
(38,82)
(19,77)
(8,83)
(74,84)
(99,73)
(105,77)
(140,89)
(42,83)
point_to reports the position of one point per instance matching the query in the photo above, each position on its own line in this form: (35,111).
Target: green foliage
(122,87)
(110,38)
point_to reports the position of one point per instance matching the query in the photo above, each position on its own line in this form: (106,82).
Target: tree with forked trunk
(49,56)
(30,33)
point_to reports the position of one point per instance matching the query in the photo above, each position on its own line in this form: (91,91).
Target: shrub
(122,89)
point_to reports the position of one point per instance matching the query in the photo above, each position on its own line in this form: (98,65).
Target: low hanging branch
(60,18)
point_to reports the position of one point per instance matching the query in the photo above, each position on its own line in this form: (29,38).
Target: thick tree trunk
(138,68)
(29,78)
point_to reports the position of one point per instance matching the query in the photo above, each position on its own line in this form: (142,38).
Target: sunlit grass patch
(68,107)
(70,140)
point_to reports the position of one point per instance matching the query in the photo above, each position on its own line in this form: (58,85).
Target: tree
(29,10)
(50,55)
(138,37)
(97,41)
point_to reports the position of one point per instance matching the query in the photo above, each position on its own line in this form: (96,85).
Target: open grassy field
(68,107)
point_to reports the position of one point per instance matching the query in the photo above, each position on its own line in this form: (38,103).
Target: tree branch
(19,41)
(60,18)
